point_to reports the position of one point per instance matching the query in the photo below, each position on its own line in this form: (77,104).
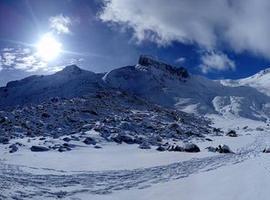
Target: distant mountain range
(155,82)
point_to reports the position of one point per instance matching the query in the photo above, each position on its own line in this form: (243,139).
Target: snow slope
(70,82)
(259,81)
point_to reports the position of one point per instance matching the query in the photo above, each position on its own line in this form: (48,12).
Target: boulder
(223,149)
(161,148)
(266,150)
(89,141)
(175,148)
(191,148)
(4,140)
(13,148)
(211,149)
(231,133)
(2,119)
(39,148)
(259,129)
(123,138)
(66,139)
(69,145)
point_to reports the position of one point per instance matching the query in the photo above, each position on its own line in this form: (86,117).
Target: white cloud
(241,25)
(21,59)
(28,60)
(60,24)
(180,60)
(216,61)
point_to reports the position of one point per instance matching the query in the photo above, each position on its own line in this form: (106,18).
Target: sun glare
(48,48)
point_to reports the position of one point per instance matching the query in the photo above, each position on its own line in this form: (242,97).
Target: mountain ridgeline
(153,81)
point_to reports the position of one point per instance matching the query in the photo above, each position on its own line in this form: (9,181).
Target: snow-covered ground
(127,172)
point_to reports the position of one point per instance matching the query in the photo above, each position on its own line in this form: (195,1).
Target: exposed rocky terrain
(116,116)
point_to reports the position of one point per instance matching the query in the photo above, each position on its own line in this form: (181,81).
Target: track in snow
(15,183)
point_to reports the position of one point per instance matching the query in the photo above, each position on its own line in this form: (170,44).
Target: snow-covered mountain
(259,81)
(163,84)
(154,81)
(70,82)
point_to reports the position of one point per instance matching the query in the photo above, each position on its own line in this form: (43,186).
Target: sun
(48,48)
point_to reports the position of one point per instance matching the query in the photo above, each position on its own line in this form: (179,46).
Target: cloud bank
(240,26)
(27,60)
(216,61)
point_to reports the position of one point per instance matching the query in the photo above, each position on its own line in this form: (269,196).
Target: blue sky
(215,38)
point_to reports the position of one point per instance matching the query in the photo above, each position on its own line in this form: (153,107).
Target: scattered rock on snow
(192,148)
(13,148)
(223,149)
(211,149)
(123,138)
(266,150)
(66,139)
(232,133)
(144,145)
(160,148)
(4,140)
(89,141)
(175,148)
(259,129)
(39,148)
(220,149)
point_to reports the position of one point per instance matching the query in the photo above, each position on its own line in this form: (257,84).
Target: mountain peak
(148,61)
(72,69)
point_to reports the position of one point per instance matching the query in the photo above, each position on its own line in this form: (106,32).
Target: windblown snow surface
(101,132)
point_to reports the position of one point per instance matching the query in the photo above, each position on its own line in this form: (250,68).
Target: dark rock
(266,150)
(45,115)
(232,133)
(150,61)
(2,120)
(223,149)
(208,139)
(97,147)
(4,140)
(123,138)
(89,141)
(160,148)
(144,145)
(39,148)
(69,145)
(211,149)
(54,99)
(175,148)
(66,139)
(259,129)
(13,148)
(191,148)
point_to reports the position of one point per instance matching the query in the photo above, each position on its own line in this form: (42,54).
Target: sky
(214,38)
